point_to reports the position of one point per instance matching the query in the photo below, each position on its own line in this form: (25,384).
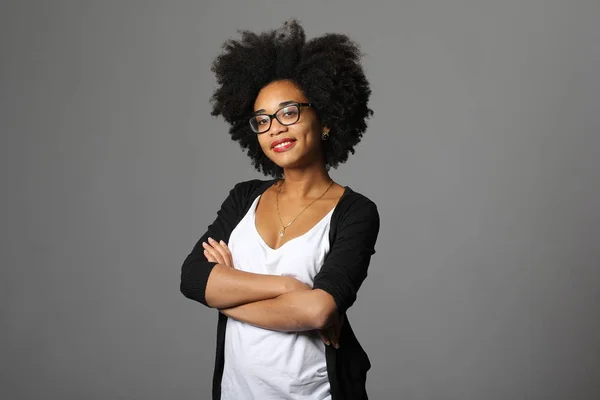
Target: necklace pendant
(281,233)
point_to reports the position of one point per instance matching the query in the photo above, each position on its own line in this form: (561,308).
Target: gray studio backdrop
(483,157)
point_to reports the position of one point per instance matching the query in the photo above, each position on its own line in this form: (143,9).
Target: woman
(285,257)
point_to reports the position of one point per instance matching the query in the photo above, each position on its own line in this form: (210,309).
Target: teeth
(280,145)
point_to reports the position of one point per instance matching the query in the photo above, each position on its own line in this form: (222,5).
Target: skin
(296,307)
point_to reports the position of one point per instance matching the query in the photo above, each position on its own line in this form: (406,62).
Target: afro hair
(326,69)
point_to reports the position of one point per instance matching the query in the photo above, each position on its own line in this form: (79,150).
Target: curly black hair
(326,69)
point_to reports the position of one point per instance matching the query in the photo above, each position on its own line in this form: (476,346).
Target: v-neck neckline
(255,206)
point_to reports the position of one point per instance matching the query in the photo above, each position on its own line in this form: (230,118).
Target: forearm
(291,312)
(228,287)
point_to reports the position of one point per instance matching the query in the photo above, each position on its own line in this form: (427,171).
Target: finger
(209,257)
(213,253)
(324,336)
(222,250)
(227,252)
(337,327)
(335,336)
(328,332)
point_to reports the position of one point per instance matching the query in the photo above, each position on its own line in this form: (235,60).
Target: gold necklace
(284,227)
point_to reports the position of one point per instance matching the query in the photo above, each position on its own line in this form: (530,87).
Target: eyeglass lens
(286,116)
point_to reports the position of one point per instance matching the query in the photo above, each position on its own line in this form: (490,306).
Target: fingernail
(222,242)
(204,244)
(211,239)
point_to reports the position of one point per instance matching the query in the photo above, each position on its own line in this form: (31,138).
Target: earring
(325,135)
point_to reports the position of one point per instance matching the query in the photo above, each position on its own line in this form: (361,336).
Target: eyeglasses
(288,115)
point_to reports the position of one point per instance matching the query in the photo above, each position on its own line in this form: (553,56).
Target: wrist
(291,284)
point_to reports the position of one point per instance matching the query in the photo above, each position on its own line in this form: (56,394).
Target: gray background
(483,157)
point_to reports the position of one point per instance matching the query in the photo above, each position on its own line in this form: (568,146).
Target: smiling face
(293,146)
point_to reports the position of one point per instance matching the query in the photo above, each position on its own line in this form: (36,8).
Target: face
(292,146)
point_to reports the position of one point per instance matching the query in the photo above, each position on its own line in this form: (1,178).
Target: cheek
(316,130)
(263,143)
(315,137)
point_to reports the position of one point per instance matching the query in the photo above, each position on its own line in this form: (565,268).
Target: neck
(305,183)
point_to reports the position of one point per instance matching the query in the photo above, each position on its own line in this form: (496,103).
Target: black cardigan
(353,233)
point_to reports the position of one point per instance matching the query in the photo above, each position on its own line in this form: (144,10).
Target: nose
(276,127)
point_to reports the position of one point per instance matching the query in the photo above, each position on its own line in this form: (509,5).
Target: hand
(293,284)
(331,334)
(217,252)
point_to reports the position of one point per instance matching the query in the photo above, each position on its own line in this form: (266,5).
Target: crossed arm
(279,302)
(289,306)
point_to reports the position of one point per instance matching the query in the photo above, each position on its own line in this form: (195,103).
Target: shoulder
(241,197)
(247,189)
(355,214)
(353,203)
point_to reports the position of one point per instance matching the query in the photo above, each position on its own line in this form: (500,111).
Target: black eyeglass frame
(271,116)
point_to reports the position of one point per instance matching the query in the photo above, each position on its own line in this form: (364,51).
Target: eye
(262,120)
(290,112)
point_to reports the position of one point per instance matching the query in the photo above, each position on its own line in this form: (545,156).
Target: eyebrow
(285,103)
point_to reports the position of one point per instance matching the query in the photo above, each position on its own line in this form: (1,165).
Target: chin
(296,164)
(287,165)
(294,161)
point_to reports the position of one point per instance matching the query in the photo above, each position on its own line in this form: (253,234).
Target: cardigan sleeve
(196,268)
(346,264)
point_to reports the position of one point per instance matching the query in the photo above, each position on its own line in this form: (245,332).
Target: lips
(284,144)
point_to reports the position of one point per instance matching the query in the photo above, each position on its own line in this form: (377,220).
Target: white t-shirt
(261,364)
